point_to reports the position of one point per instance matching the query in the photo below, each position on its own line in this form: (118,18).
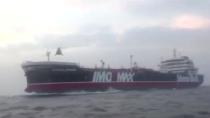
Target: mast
(174,53)
(131,60)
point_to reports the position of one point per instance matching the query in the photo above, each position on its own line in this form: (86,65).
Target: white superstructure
(182,66)
(178,65)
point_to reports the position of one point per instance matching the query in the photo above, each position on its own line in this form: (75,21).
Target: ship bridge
(178,65)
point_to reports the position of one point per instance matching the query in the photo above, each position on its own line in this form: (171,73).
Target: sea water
(173,103)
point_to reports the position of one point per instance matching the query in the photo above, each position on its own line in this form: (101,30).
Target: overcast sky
(91,30)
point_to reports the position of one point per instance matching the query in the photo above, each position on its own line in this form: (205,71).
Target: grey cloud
(167,8)
(153,37)
(166,37)
(88,36)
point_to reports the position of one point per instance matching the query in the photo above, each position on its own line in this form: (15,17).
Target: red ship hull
(74,86)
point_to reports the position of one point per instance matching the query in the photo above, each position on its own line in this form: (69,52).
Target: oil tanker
(52,77)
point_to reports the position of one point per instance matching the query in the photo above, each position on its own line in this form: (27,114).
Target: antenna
(48,55)
(102,63)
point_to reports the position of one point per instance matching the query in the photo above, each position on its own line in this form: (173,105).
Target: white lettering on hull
(102,76)
(125,77)
(106,76)
(187,78)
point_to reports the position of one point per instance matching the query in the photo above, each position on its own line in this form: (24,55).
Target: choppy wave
(185,103)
